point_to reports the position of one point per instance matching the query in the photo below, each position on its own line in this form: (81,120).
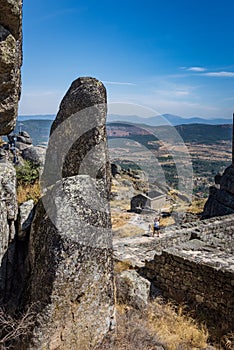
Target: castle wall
(200,271)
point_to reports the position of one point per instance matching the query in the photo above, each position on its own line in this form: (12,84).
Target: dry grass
(227,341)
(161,325)
(123,204)
(121,226)
(128,230)
(197,206)
(15,330)
(167,221)
(30,191)
(118,219)
(131,332)
(121,266)
(174,328)
(1,142)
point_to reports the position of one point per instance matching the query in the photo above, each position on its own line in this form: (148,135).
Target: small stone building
(151,200)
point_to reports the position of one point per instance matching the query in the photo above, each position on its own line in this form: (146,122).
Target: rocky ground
(133,237)
(125,223)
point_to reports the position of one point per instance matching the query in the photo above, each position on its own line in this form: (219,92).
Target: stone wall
(215,231)
(200,271)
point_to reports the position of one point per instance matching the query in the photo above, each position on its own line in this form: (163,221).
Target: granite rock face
(10,62)
(26,214)
(221,200)
(78,135)
(132,289)
(70,248)
(8,205)
(24,137)
(34,154)
(8,216)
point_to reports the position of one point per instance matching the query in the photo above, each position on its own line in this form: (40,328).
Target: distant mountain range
(151,121)
(172,119)
(22,118)
(198,133)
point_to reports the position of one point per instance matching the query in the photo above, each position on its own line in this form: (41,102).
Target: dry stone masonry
(10,62)
(199,275)
(216,231)
(70,250)
(200,271)
(191,263)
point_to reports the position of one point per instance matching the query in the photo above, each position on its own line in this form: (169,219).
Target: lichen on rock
(8,216)
(221,200)
(8,205)
(70,250)
(10,62)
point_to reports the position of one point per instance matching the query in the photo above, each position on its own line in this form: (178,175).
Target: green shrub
(27,174)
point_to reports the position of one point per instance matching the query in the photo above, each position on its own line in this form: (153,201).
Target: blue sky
(175,56)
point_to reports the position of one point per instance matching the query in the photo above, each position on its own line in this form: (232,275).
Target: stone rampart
(199,270)
(217,232)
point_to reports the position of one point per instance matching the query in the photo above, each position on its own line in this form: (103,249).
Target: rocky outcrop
(132,289)
(78,134)
(10,62)
(221,198)
(115,169)
(26,214)
(24,137)
(8,216)
(70,251)
(34,154)
(8,206)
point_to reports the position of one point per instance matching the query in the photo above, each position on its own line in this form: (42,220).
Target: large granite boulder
(34,154)
(25,218)
(78,135)
(70,249)
(10,62)
(8,216)
(8,206)
(115,169)
(221,198)
(132,289)
(24,137)
(22,146)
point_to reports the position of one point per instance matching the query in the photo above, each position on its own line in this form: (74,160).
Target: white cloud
(177,90)
(181,93)
(118,83)
(219,74)
(172,92)
(196,69)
